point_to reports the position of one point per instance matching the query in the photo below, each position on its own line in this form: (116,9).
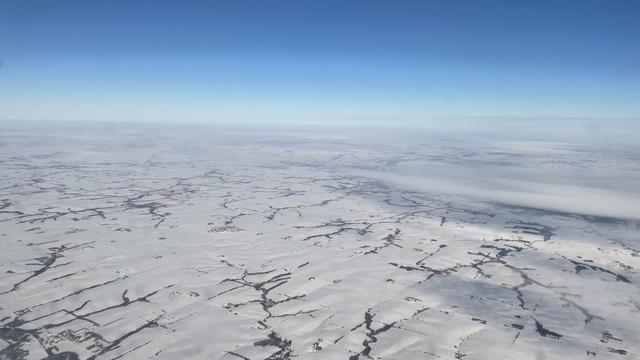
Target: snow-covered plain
(234,244)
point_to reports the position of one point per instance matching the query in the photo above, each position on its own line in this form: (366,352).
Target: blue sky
(318,61)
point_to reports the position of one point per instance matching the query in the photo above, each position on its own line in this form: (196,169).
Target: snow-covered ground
(235,244)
